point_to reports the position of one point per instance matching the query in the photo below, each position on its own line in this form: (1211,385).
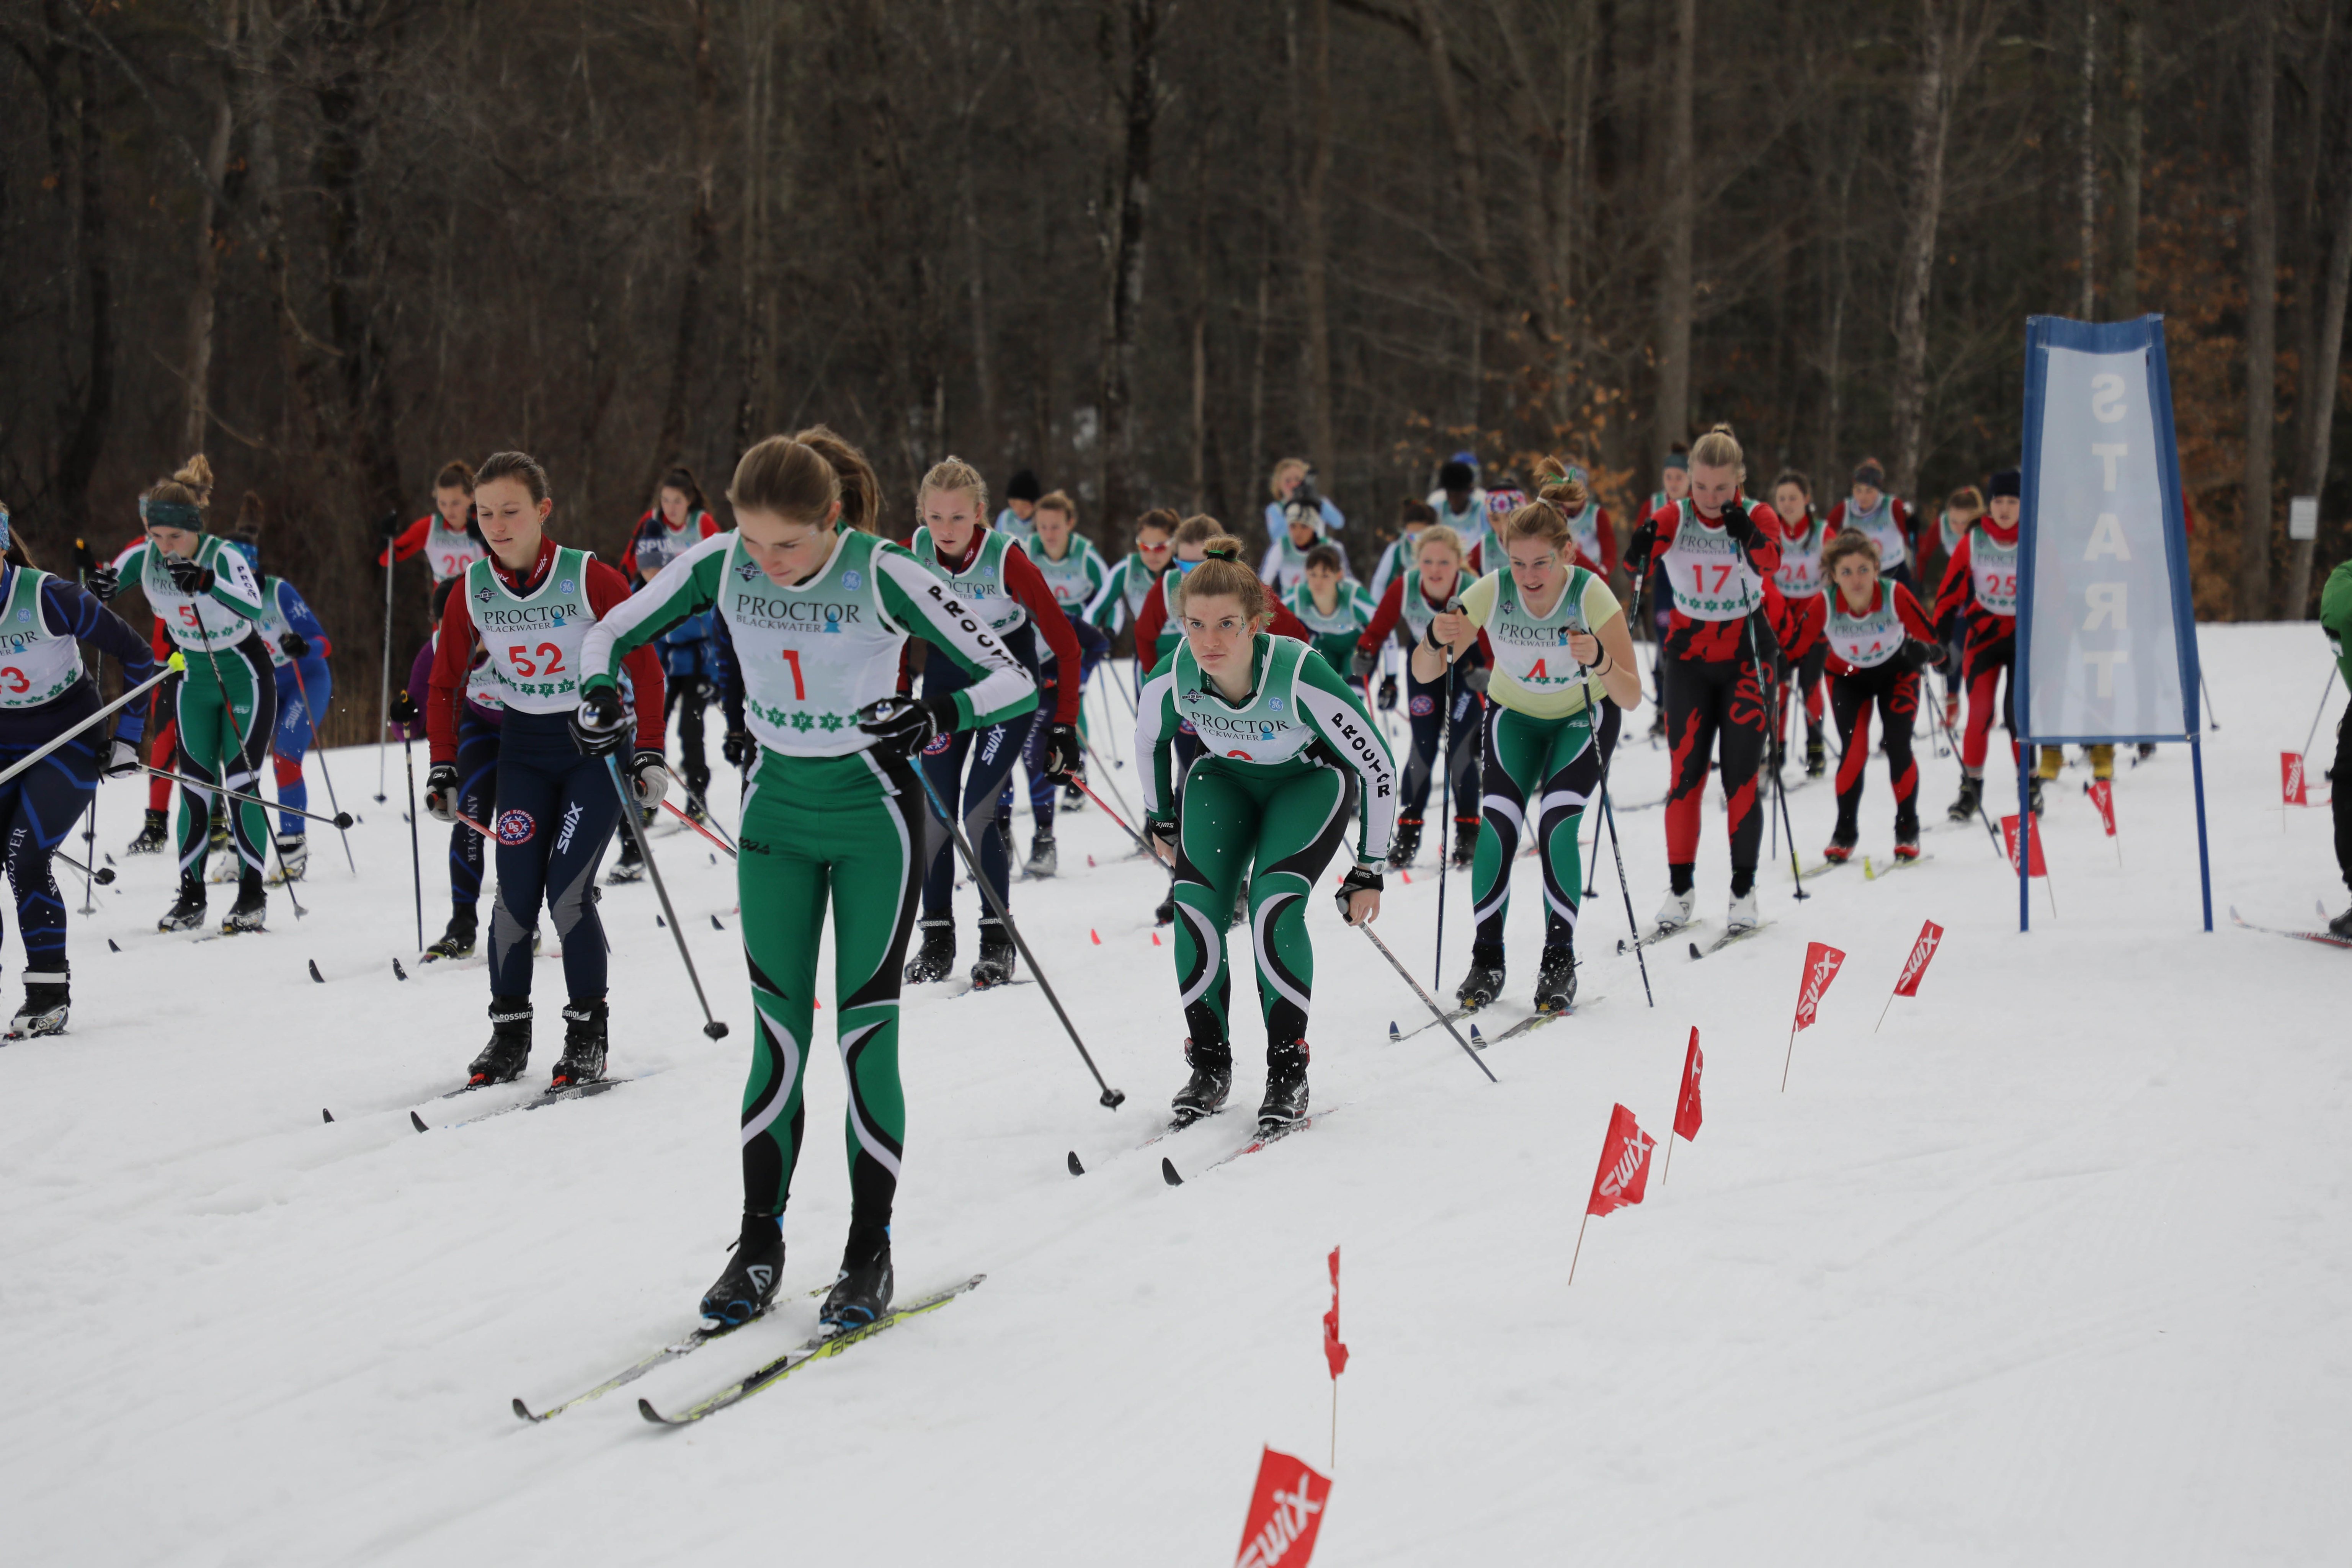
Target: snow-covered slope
(2053,1268)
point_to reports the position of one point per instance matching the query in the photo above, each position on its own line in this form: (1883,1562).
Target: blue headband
(1677,460)
(3,528)
(171,514)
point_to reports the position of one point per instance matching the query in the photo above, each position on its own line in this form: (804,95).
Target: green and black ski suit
(825,818)
(1279,777)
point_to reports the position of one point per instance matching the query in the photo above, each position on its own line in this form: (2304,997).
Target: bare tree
(2254,524)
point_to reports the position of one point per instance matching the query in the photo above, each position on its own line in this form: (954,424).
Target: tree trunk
(204,278)
(2262,315)
(2126,296)
(1674,283)
(2328,353)
(1931,97)
(701,254)
(1123,314)
(86,418)
(1469,194)
(1314,265)
(353,248)
(756,303)
(2090,179)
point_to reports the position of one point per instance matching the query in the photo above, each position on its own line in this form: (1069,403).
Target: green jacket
(2335,617)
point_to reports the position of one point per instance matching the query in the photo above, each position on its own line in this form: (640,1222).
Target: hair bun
(1222,550)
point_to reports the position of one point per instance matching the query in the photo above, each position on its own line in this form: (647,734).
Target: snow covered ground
(2056,1268)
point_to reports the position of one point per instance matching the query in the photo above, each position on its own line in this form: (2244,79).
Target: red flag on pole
(2103,795)
(2292,789)
(1915,968)
(1285,1514)
(1821,965)
(1621,1178)
(1686,1107)
(1333,1351)
(2035,865)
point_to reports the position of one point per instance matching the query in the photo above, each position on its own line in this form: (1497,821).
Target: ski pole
(1111,1098)
(1427,1002)
(1446,810)
(312,714)
(699,827)
(2315,717)
(140,689)
(711,1025)
(1953,741)
(384,691)
(1756,663)
(90,837)
(1140,842)
(104,876)
(228,714)
(1113,783)
(415,851)
(1608,820)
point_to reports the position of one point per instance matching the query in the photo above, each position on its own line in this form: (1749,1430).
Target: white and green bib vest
(37,665)
(1711,577)
(1268,728)
(1800,575)
(1075,577)
(1533,649)
(1992,571)
(1289,562)
(1867,639)
(272,623)
(1879,527)
(533,642)
(814,654)
(200,621)
(1414,608)
(980,585)
(1347,610)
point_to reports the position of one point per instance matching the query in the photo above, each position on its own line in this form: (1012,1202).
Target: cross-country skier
(1980,589)
(1074,571)
(479,715)
(820,610)
(1122,594)
(1593,529)
(46,690)
(447,535)
(2336,620)
(1413,600)
(1800,580)
(1719,551)
(154,837)
(1886,520)
(1335,609)
(528,602)
(298,650)
(1288,475)
(1021,494)
(1290,756)
(1461,505)
(1961,510)
(692,653)
(1673,487)
(1877,640)
(993,576)
(1559,645)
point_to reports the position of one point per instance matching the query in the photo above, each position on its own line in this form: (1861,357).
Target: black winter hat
(1457,475)
(2008,482)
(1023,485)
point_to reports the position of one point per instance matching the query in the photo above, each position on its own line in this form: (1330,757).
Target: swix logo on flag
(1285,1514)
(2291,786)
(2103,795)
(1915,968)
(1333,1351)
(2035,865)
(1625,1172)
(1821,965)
(1686,1108)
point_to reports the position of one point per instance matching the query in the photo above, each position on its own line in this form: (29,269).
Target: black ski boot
(1204,1092)
(2033,795)
(2341,926)
(631,866)
(1285,1087)
(1073,797)
(994,964)
(1407,843)
(44,1011)
(510,1048)
(584,1043)
(1166,913)
(1971,798)
(154,837)
(188,912)
(1907,834)
(1465,842)
(1484,981)
(936,957)
(252,906)
(749,1283)
(1042,861)
(1556,978)
(458,941)
(861,1293)
(1817,754)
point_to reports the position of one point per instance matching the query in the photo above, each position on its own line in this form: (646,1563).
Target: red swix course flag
(2103,795)
(1624,1170)
(1333,1351)
(1821,965)
(1686,1110)
(2036,865)
(1915,967)
(1285,1514)
(2291,785)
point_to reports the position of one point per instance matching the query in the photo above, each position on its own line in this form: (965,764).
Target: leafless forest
(1145,248)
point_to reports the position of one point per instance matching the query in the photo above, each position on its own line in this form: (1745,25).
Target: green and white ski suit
(823,818)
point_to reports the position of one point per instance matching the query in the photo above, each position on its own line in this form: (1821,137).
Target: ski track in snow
(2053,1268)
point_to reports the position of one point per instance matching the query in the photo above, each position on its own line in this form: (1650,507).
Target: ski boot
(458,941)
(1817,754)
(2146,750)
(743,1292)
(1970,798)
(1073,797)
(1042,861)
(1675,912)
(584,1043)
(1285,1087)
(2033,795)
(1204,1092)
(1840,848)
(1484,981)
(252,906)
(44,1011)
(698,810)
(1166,913)
(1466,841)
(1556,978)
(510,1048)
(994,964)
(1742,915)
(1407,842)
(293,857)
(2341,926)
(861,1293)
(188,912)
(154,837)
(631,866)
(936,956)
(1906,835)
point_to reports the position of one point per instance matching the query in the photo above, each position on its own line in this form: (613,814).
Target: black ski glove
(1645,540)
(1357,880)
(1363,664)
(103,581)
(441,791)
(1065,753)
(404,707)
(1919,655)
(187,575)
(1388,694)
(294,644)
(902,727)
(739,748)
(122,759)
(1737,523)
(597,724)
